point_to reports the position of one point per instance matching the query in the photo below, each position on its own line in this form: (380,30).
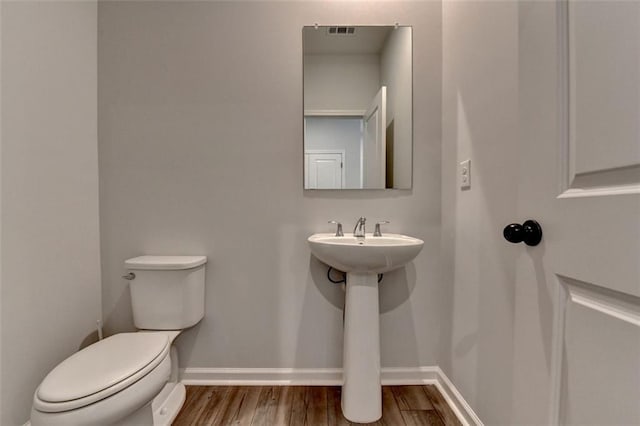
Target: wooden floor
(307,405)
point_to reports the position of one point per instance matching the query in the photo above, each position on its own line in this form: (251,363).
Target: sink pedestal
(363,259)
(361,391)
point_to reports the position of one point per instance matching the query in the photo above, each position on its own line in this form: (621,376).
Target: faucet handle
(377,232)
(339,232)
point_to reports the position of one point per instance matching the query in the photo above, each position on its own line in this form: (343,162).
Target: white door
(324,170)
(374,142)
(578,293)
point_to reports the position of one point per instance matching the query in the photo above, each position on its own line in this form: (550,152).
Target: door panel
(604,97)
(578,292)
(324,170)
(600,355)
(605,84)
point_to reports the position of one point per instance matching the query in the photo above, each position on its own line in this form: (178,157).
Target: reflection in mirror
(357,107)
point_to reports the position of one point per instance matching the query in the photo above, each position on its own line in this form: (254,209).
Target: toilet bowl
(130,378)
(106,382)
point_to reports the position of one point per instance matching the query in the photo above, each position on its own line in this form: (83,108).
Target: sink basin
(363,259)
(370,254)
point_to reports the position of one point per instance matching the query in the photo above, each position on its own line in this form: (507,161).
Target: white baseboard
(331,377)
(261,376)
(456,401)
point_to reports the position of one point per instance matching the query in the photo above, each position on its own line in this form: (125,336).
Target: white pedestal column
(361,392)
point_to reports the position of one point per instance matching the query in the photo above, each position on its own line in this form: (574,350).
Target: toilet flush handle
(130,276)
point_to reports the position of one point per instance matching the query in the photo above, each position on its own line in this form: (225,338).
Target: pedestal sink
(363,259)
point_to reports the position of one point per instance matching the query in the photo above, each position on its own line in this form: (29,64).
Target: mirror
(357,107)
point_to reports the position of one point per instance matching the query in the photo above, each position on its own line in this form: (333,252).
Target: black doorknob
(530,232)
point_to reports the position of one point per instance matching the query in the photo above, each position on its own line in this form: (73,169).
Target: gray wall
(1,220)
(50,250)
(340,82)
(480,122)
(200,149)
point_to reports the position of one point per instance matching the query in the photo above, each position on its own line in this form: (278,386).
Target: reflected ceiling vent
(341,30)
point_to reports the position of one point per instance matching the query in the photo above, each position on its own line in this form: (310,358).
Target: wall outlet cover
(464,174)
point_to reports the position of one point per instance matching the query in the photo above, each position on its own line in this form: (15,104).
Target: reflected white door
(324,170)
(374,142)
(578,293)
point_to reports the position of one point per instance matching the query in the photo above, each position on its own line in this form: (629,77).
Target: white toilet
(130,378)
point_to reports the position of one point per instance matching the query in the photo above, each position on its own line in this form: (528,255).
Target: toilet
(130,378)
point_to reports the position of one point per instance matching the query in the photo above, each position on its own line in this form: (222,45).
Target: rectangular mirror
(358,127)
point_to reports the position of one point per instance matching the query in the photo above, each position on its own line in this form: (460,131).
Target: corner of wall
(1,193)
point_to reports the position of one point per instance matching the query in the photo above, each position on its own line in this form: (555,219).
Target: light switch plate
(464,174)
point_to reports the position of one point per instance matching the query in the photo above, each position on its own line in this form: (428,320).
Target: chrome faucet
(339,232)
(377,232)
(358,230)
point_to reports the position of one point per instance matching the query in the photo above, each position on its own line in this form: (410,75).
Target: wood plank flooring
(307,405)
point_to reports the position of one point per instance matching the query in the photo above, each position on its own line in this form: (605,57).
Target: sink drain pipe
(344,276)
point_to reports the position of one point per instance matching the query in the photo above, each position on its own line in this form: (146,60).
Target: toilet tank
(167,292)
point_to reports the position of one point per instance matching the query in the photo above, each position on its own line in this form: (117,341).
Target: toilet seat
(113,409)
(101,370)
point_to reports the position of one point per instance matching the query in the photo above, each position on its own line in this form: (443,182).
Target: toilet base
(168,403)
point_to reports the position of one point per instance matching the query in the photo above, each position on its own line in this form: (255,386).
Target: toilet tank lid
(165,262)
